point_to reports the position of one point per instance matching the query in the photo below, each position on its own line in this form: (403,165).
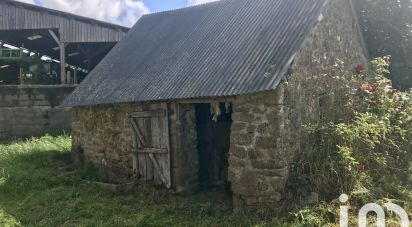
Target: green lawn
(33,194)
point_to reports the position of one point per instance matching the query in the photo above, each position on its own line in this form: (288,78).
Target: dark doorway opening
(213,136)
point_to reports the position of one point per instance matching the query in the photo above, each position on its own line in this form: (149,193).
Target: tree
(387,27)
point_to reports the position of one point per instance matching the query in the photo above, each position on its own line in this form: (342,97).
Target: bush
(370,150)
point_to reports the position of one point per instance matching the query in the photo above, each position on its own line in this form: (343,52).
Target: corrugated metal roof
(72,28)
(224,48)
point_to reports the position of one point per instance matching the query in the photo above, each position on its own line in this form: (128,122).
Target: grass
(31,194)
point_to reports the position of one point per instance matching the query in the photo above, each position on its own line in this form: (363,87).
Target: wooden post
(21,76)
(63,63)
(69,77)
(62,47)
(75,76)
(21,71)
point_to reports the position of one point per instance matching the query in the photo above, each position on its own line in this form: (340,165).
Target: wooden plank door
(151,145)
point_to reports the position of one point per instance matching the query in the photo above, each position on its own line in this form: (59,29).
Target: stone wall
(314,94)
(27,111)
(104,135)
(267,132)
(259,151)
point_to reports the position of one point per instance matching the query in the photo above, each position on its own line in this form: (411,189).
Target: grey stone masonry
(104,134)
(267,130)
(259,151)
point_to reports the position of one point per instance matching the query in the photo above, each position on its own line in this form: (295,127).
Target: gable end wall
(267,132)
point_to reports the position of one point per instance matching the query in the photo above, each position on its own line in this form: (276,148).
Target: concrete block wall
(27,111)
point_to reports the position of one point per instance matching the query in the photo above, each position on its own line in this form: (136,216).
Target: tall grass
(31,194)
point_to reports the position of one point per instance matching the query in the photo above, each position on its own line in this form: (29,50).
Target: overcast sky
(123,12)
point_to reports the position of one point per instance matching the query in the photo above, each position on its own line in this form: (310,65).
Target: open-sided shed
(74,40)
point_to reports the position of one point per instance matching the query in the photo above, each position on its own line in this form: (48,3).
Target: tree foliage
(387,27)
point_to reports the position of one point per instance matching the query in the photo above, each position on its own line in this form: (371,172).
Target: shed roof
(224,48)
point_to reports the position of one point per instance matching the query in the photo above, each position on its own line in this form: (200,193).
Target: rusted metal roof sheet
(72,28)
(224,48)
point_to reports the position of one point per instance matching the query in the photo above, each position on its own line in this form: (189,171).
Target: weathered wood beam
(151,150)
(75,76)
(205,101)
(54,36)
(159,170)
(139,133)
(62,47)
(149,114)
(68,77)
(21,76)
(63,63)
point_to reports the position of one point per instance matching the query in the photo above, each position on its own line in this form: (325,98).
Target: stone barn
(214,96)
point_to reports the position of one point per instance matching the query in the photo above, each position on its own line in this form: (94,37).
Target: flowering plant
(369,149)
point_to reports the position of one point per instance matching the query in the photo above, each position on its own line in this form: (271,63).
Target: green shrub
(364,152)
(370,150)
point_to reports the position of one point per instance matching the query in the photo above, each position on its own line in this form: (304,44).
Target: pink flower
(361,168)
(359,69)
(369,88)
(366,87)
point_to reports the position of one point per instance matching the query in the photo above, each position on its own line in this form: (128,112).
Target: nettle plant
(369,151)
